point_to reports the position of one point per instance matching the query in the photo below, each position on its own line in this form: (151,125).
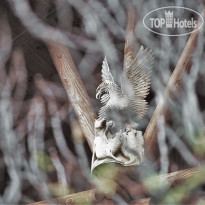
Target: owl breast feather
(118,109)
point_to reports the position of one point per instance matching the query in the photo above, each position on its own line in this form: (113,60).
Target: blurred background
(43,152)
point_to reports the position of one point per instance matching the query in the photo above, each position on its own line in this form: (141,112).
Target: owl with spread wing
(125,103)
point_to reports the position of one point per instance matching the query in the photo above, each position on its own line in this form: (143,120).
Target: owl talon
(99,123)
(109,125)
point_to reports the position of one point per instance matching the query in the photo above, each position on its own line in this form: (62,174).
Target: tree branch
(134,190)
(75,89)
(130,39)
(183,66)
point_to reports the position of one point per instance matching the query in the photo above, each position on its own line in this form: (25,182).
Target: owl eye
(104,92)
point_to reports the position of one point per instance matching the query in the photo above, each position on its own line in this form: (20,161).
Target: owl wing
(106,78)
(106,74)
(136,79)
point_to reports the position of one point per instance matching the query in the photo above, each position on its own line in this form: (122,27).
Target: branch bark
(85,196)
(130,39)
(75,89)
(134,189)
(183,66)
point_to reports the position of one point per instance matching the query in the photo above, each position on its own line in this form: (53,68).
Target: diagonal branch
(183,66)
(75,89)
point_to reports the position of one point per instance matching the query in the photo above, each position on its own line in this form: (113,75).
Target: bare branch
(85,196)
(44,31)
(130,39)
(183,66)
(75,89)
(135,189)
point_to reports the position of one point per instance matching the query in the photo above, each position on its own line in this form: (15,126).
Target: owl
(126,102)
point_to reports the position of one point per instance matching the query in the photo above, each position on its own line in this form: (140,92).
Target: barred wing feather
(136,79)
(106,74)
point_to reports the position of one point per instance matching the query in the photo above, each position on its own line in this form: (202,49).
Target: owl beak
(98,92)
(98,95)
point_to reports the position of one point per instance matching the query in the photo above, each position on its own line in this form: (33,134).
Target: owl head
(102,92)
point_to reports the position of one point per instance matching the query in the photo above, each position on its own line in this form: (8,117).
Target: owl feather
(134,87)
